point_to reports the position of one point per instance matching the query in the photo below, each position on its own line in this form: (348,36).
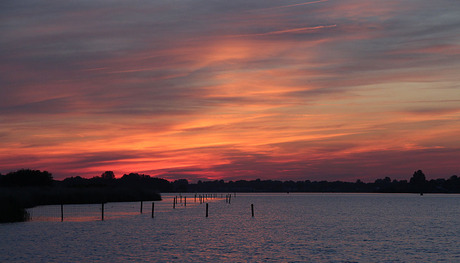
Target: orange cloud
(272,90)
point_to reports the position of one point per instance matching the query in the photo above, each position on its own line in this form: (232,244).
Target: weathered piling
(153,209)
(174,203)
(141,207)
(62,212)
(102,212)
(252,210)
(185,201)
(206,209)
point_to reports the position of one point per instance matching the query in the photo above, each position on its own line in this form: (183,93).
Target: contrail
(293,30)
(285,31)
(287,6)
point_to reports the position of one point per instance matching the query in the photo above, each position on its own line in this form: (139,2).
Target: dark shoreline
(15,200)
(28,188)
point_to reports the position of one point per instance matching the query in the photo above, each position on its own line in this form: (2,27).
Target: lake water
(286,228)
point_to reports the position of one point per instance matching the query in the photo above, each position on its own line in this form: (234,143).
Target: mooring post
(62,212)
(153,208)
(206,209)
(252,209)
(185,201)
(174,203)
(141,207)
(102,211)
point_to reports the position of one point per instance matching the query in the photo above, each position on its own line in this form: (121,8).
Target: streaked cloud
(234,90)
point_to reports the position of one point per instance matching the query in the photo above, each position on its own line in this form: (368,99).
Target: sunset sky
(241,89)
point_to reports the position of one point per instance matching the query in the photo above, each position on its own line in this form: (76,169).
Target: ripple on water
(286,228)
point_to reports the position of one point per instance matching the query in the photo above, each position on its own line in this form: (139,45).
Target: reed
(12,211)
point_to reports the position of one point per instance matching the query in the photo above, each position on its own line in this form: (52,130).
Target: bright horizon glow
(319,90)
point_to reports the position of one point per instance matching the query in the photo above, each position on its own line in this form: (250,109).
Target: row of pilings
(201,198)
(179,200)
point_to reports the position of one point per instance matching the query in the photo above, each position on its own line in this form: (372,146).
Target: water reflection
(285,228)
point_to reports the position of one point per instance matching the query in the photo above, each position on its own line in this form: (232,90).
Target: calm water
(286,228)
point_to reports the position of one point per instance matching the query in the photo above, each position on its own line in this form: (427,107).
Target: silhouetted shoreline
(29,188)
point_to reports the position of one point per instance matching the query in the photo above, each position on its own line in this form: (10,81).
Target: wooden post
(62,212)
(252,209)
(141,207)
(185,201)
(206,209)
(102,211)
(153,208)
(174,203)
(195,198)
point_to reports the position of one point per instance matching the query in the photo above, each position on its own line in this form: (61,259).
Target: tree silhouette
(108,175)
(418,180)
(27,177)
(180,185)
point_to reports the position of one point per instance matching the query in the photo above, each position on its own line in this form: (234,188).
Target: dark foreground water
(286,228)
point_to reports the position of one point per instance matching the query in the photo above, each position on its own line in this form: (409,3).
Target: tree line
(417,183)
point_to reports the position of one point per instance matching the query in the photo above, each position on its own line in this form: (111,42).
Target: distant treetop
(27,177)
